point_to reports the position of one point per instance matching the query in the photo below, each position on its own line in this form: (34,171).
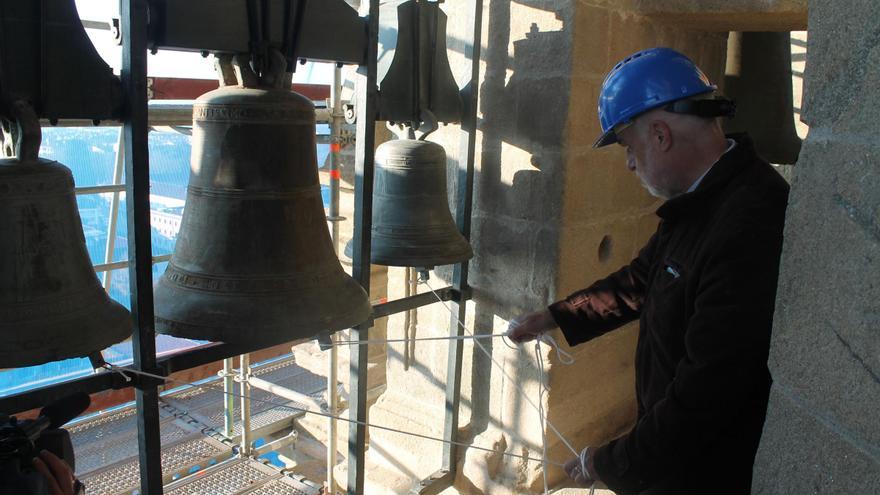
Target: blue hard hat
(643,81)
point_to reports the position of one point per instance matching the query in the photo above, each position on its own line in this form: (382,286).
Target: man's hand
(59,476)
(528,326)
(573,468)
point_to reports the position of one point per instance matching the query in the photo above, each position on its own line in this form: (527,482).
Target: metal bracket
(324,341)
(434,484)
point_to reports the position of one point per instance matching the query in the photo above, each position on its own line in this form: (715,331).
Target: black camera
(22,440)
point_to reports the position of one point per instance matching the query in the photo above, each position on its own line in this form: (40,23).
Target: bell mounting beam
(137,171)
(331,30)
(365,147)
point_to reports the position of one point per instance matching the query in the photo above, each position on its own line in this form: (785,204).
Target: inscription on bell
(260,114)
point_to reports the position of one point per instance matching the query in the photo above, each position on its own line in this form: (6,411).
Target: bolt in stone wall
(821,434)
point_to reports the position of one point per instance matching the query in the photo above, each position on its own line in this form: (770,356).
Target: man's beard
(657,193)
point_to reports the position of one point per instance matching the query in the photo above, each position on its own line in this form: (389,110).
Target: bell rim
(114,320)
(209,318)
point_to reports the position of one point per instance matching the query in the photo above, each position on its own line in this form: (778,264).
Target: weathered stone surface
(843,70)
(481,468)
(826,341)
(804,452)
(718,15)
(726,20)
(593,249)
(515,265)
(821,434)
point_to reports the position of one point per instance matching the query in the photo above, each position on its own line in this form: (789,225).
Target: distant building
(165,215)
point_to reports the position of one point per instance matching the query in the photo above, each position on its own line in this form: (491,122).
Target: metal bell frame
(319,43)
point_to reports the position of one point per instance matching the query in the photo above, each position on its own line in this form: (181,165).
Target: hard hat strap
(717,107)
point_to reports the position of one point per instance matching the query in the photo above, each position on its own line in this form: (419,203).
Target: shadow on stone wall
(517,198)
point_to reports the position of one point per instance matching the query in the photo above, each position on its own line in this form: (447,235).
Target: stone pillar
(821,434)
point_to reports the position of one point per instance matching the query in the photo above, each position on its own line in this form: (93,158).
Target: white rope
(501,368)
(563,357)
(420,339)
(126,371)
(543,387)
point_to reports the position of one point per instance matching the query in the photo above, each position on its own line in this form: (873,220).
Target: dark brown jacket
(704,288)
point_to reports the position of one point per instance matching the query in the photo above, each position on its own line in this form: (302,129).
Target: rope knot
(564,357)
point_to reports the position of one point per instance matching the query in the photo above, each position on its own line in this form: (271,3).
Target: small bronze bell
(254,263)
(412,225)
(52,305)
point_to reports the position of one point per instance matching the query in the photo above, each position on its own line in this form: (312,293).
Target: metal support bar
(110,246)
(276,444)
(108,188)
(413,302)
(185,359)
(228,398)
(363,219)
(165,113)
(284,392)
(244,376)
(434,484)
(337,117)
(133,15)
(332,410)
(116,265)
(465,188)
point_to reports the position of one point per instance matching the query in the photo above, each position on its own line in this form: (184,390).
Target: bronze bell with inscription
(412,225)
(253,262)
(52,305)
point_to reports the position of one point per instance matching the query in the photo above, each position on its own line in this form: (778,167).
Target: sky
(169,63)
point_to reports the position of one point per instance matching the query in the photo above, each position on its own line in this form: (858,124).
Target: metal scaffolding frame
(135,128)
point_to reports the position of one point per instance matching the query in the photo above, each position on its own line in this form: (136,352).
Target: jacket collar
(726,168)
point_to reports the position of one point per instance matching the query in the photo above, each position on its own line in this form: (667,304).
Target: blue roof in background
(169,163)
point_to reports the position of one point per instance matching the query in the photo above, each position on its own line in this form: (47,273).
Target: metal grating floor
(106,445)
(240,476)
(206,406)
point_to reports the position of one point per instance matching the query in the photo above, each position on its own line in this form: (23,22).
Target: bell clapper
(428,124)
(424,273)
(96,359)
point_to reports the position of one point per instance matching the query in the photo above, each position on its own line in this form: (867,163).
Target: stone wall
(821,434)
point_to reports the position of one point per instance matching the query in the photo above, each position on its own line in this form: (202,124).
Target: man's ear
(661,135)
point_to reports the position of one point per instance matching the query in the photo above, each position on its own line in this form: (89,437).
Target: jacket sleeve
(723,370)
(608,303)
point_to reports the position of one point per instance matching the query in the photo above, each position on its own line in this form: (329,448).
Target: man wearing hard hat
(703,288)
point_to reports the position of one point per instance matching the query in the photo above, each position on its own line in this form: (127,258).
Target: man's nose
(630,162)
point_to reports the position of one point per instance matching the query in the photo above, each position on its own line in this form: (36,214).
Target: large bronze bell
(254,263)
(412,225)
(759,78)
(52,305)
